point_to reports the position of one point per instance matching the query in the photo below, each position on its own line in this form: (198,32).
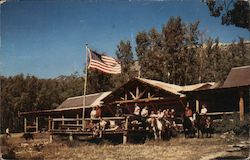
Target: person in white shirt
(7,132)
(137,110)
(203,110)
(93,113)
(144,112)
(159,114)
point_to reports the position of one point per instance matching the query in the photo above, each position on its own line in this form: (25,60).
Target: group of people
(189,113)
(144,113)
(166,113)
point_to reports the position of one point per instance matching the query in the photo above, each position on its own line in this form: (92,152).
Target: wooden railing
(76,123)
(222,113)
(217,116)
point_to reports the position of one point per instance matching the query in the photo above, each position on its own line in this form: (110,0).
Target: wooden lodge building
(231,96)
(226,98)
(70,108)
(154,94)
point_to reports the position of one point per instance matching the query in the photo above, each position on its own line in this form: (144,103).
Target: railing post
(77,121)
(70,137)
(77,117)
(53,124)
(36,124)
(62,119)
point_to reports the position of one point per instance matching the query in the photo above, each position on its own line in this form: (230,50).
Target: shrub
(232,123)
(7,149)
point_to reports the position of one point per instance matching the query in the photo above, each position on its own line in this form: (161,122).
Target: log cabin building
(230,96)
(70,108)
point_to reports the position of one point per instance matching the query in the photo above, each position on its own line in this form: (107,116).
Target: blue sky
(47,38)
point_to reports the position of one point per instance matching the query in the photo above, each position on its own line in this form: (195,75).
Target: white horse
(160,128)
(157,127)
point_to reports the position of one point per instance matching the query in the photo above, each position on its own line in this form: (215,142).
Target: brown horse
(203,124)
(188,127)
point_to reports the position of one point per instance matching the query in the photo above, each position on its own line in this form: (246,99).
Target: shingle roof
(238,76)
(91,101)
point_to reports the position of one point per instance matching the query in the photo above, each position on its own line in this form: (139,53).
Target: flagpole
(85,89)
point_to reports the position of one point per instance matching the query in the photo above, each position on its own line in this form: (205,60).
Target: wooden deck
(74,127)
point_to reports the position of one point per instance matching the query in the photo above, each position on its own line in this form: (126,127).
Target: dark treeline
(28,93)
(179,53)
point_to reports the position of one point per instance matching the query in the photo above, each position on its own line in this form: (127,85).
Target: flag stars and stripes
(103,63)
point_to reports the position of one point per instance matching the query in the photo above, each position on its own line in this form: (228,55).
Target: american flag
(103,63)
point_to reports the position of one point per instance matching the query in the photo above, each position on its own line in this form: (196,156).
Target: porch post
(49,125)
(25,124)
(241,106)
(197,105)
(125,133)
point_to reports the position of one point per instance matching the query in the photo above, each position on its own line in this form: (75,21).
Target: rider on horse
(189,114)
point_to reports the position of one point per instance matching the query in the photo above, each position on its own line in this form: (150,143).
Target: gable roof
(171,88)
(175,89)
(76,102)
(238,76)
(72,103)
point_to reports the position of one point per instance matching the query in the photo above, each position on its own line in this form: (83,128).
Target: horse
(160,128)
(203,124)
(156,126)
(188,127)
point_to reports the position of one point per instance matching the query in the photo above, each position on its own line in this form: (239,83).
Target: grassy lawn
(177,148)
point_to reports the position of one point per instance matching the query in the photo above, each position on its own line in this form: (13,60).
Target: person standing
(93,113)
(7,131)
(118,112)
(172,114)
(144,115)
(137,110)
(98,112)
(189,113)
(144,112)
(203,110)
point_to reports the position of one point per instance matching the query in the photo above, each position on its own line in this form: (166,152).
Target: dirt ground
(217,147)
